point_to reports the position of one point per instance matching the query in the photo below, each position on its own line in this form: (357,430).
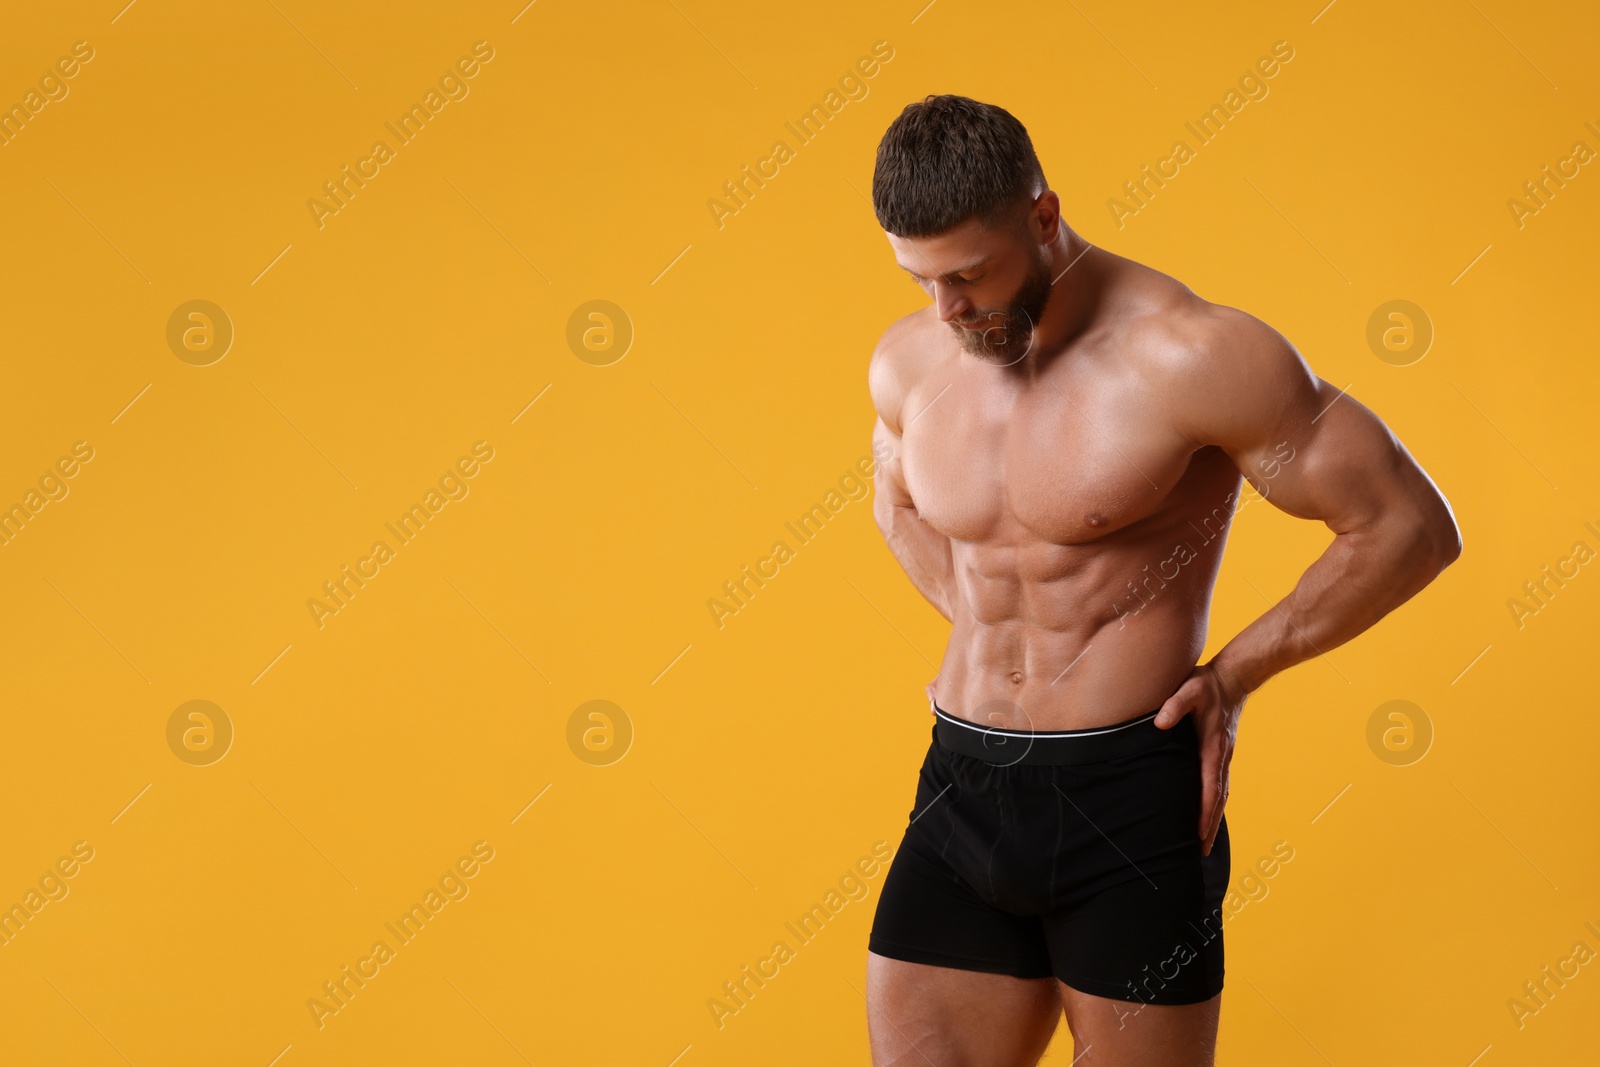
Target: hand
(1216,701)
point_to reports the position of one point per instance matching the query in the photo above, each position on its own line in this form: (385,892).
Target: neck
(1077,275)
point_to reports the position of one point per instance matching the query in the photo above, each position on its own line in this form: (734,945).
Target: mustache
(994,320)
(981,318)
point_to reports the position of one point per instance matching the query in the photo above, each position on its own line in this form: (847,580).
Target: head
(962,196)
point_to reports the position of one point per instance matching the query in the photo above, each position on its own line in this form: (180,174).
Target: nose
(948,303)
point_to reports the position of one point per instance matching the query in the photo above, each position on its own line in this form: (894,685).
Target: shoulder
(1222,375)
(892,369)
(1170,329)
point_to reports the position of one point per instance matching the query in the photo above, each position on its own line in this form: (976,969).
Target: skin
(1062,494)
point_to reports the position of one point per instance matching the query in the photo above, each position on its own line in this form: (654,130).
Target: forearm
(922,551)
(1361,577)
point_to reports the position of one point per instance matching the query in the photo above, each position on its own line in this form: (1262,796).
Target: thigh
(1119,1033)
(919,1014)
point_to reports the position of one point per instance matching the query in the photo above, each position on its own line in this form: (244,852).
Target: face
(990,286)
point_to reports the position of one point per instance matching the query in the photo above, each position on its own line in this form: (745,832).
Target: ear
(1044,218)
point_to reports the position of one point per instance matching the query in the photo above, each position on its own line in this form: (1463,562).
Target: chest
(1062,464)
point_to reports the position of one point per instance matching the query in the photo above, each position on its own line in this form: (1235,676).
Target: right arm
(922,551)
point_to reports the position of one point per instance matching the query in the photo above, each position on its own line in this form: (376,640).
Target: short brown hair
(947,158)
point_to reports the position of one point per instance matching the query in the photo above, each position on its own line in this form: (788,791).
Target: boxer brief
(1072,854)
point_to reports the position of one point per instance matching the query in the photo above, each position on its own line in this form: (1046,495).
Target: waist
(1056,747)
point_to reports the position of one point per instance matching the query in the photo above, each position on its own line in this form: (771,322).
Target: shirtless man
(1062,434)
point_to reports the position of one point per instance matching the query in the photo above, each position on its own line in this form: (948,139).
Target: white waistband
(947,717)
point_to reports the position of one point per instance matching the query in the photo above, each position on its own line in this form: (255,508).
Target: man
(1066,431)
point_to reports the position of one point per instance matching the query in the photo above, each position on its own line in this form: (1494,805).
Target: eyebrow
(949,274)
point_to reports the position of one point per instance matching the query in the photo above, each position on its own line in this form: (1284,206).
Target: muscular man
(1065,433)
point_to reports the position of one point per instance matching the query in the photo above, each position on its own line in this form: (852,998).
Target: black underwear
(1067,853)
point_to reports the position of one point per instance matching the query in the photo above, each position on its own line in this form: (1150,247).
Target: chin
(975,344)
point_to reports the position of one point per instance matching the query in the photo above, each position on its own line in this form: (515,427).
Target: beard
(1009,333)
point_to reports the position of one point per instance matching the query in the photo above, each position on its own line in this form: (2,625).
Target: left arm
(1246,390)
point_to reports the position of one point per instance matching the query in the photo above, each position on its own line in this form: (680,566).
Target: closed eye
(951,280)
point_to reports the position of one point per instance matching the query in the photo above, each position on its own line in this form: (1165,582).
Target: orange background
(768,755)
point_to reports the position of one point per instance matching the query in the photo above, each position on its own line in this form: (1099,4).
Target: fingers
(1210,825)
(1210,795)
(1176,707)
(1211,835)
(1214,764)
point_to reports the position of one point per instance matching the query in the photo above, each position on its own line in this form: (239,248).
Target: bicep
(1340,465)
(1308,447)
(888,396)
(889,486)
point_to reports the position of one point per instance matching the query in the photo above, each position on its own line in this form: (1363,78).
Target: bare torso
(1086,532)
